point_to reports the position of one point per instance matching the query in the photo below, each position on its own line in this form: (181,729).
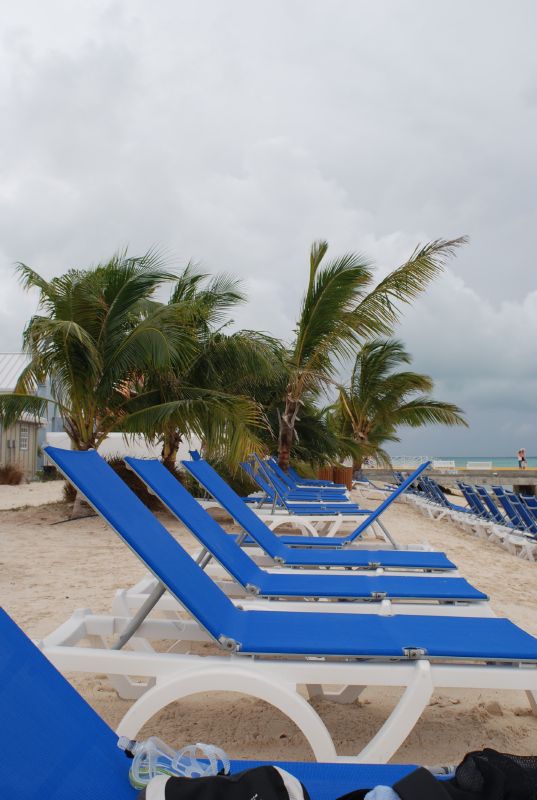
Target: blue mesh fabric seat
(357,636)
(269,584)
(55,747)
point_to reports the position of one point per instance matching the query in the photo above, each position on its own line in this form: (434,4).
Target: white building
(19,443)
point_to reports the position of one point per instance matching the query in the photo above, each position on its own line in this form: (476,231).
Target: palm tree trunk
(80,508)
(287,432)
(170,447)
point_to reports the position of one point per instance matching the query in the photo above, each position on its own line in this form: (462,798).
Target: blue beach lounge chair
(293,486)
(295,502)
(437,492)
(528,521)
(508,502)
(494,512)
(55,747)
(300,480)
(260,582)
(284,487)
(280,546)
(419,653)
(530,501)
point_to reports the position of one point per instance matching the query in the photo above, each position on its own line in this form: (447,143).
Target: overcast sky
(236,133)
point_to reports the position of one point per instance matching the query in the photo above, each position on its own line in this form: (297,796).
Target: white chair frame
(175,676)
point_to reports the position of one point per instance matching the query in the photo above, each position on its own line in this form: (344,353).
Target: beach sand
(48,570)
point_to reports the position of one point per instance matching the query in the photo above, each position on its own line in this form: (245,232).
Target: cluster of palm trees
(116,358)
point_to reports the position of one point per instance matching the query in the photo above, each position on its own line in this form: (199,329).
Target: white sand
(48,570)
(33,494)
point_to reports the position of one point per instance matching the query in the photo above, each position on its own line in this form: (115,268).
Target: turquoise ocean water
(497,461)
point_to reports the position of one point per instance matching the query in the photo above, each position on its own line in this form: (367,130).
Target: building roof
(11,366)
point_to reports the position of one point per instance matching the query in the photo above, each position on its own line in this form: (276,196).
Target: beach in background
(461,462)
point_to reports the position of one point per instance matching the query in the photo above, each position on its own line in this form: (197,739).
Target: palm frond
(15,405)
(424,410)
(323,329)
(379,310)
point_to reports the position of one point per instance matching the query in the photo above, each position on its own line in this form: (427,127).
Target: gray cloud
(237,133)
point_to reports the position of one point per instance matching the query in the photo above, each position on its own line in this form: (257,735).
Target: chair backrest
(522,511)
(54,745)
(403,486)
(470,497)
(149,539)
(530,501)
(278,486)
(506,504)
(258,478)
(491,505)
(425,488)
(479,506)
(437,493)
(273,465)
(204,527)
(306,495)
(236,507)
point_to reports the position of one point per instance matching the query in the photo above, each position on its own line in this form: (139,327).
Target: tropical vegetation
(381,397)
(118,360)
(340,310)
(119,357)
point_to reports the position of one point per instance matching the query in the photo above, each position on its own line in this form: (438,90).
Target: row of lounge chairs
(313,508)
(285,615)
(504,517)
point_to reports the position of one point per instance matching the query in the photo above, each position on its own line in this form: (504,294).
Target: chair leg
(281,695)
(401,721)
(532,698)
(346,695)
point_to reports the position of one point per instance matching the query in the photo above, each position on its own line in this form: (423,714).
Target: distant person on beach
(522,462)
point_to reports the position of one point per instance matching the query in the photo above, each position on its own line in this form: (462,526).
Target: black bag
(482,775)
(260,783)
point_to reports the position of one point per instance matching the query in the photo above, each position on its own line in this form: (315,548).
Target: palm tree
(118,360)
(381,397)
(340,310)
(98,330)
(214,395)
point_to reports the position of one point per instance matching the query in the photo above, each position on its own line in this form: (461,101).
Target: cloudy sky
(236,133)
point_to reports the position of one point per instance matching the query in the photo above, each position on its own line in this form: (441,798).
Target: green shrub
(138,487)
(48,473)
(305,469)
